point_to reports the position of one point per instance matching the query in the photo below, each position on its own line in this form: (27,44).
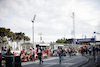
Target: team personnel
(33,55)
(93,52)
(90,50)
(70,51)
(39,53)
(82,51)
(59,51)
(22,52)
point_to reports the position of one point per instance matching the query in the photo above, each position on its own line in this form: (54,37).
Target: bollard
(17,62)
(0,60)
(9,60)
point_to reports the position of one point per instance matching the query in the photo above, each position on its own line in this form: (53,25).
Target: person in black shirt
(39,53)
(9,52)
(93,52)
(90,50)
(97,49)
(59,51)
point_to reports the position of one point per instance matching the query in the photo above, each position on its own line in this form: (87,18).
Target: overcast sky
(53,18)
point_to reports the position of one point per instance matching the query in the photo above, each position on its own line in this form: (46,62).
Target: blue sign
(85,40)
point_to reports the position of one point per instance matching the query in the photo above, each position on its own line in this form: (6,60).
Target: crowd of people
(6,51)
(84,51)
(89,50)
(24,55)
(60,52)
(34,54)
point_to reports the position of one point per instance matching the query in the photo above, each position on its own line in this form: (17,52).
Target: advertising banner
(85,40)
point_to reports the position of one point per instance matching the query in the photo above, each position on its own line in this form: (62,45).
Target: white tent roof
(44,44)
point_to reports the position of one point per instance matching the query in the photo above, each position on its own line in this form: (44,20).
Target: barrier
(9,61)
(0,60)
(17,62)
(12,61)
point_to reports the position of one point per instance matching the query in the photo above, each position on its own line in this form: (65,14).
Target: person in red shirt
(47,52)
(23,51)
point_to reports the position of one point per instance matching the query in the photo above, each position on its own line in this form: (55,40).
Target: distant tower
(85,36)
(40,37)
(73,16)
(33,29)
(95,37)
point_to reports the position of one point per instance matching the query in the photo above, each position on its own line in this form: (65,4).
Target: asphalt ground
(67,61)
(74,61)
(92,62)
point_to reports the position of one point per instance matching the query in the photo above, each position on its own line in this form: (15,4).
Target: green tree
(13,37)
(21,37)
(59,41)
(26,38)
(3,33)
(69,41)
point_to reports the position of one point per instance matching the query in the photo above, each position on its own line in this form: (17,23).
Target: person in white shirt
(2,51)
(59,51)
(69,50)
(33,55)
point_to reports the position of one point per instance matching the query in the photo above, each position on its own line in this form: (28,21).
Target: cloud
(53,17)
(97,30)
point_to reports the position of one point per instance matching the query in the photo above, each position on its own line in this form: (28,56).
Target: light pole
(82,36)
(95,36)
(73,29)
(96,33)
(94,39)
(33,30)
(95,58)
